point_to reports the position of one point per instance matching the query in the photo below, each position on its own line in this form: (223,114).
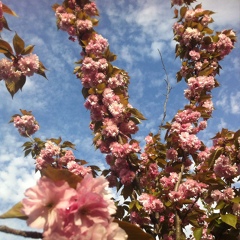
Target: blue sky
(136,29)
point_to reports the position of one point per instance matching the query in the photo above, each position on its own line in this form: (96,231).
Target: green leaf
(220,205)
(25,112)
(27,50)
(8,10)
(127,191)
(236,200)
(61,174)
(14,212)
(229,219)
(56,140)
(5,47)
(216,154)
(136,113)
(68,144)
(27,152)
(18,44)
(207,71)
(5,24)
(41,70)
(183,11)
(13,87)
(55,6)
(133,231)
(197,233)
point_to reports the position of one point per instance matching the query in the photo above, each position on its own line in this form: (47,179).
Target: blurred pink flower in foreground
(67,213)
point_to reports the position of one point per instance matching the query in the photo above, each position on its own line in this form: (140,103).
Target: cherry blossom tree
(172,183)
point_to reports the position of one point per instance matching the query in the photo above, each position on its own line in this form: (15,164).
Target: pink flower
(26,125)
(1,16)
(29,64)
(66,20)
(92,204)
(151,203)
(191,34)
(83,25)
(41,204)
(224,44)
(153,170)
(91,9)
(189,142)
(135,218)
(194,55)
(149,139)
(116,109)
(68,157)
(169,182)
(8,71)
(128,127)
(116,81)
(97,45)
(226,195)
(224,168)
(110,129)
(236,209)
(127,176)
(78,169)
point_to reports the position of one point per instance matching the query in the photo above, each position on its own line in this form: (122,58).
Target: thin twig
(169,88)
(26,234)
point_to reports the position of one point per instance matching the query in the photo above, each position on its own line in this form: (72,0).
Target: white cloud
(222,124)
(222,102)
(226,13)
(234,101)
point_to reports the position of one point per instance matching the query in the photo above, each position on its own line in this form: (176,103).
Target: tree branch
(169,88)
(26,234)
(177,218)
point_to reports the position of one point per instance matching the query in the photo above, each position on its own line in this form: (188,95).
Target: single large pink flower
(41,204)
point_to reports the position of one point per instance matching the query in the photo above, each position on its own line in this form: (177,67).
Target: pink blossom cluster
(197,85)
(192,15)
(224,44)
(149,170)
(28,64)
(151,203)
(91,9)
(69,214)
(53,155)
(188,189)
(93,72)
(106,93)
(97,45)
(236,209)
(8,71)
(190,35)
(202,157)
(225,195)
(169,183)
(84,25)
(184,131)
(117,160)
(68,20)
(12,71)
(135,218)
(192,40)
(223,167)
(26,125)
(1,16)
